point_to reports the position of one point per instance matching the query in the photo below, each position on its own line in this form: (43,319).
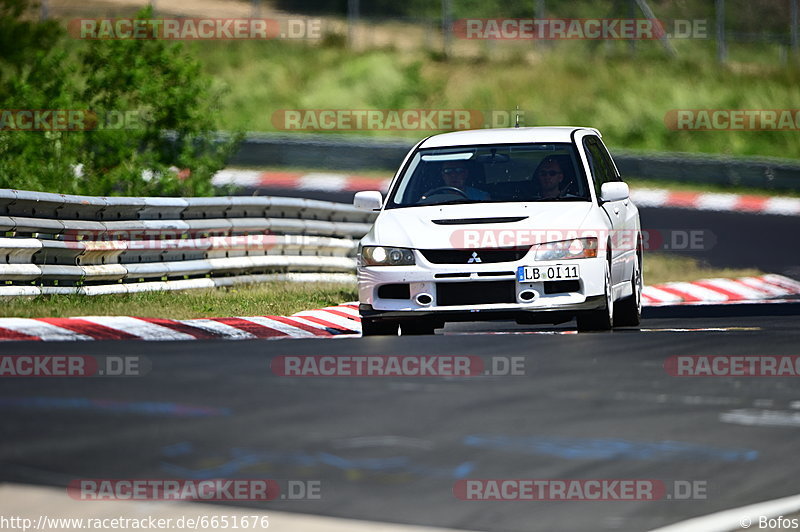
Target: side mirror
(614,191)
(369,200)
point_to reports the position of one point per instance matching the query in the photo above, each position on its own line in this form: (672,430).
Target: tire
(378,328)
(601,319)
(629,311)
(418,328)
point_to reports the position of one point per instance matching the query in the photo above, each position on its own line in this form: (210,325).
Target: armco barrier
(55,243)
(340,152)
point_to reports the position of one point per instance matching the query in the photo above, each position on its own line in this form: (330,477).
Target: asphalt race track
(590,406)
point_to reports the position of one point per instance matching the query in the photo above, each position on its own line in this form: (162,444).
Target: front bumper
(542,315)
(423,278)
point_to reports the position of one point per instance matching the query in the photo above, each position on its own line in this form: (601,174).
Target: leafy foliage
(129,93)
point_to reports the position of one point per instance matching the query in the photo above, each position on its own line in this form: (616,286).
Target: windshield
(491,173)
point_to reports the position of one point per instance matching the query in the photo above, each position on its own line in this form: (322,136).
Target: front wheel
(601,319)
(378,328)
(629,310)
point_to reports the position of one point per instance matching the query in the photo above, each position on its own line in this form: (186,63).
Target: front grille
(474,256)
(480,274)
(475,293)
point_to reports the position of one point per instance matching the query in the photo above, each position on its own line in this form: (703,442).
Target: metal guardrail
(56,243)
(343,152)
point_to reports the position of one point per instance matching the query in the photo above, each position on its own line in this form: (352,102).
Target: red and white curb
(644,197)
(343,320)
(711,291)
(331,182)
(708,201)
(320,323)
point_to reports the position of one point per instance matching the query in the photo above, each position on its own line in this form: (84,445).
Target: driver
(550,177)
(456,174)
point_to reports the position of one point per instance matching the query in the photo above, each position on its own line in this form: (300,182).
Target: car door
(629,215)
(604,171)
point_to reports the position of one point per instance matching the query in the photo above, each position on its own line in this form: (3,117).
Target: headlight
(579,248)
(383,256)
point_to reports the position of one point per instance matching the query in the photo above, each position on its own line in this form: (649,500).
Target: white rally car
(530,224)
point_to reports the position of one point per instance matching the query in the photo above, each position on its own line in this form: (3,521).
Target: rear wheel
(378,327)
(601,319)
(629,310)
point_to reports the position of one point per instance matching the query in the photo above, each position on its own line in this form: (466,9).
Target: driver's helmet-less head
(455,174)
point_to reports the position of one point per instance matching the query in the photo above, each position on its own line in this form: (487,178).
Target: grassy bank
(273,299)
(625,96)
(663,268)
(279,298)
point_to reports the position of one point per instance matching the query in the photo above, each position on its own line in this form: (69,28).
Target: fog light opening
(528,295)
(424,299)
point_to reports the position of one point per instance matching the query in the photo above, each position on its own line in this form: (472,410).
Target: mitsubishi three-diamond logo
(474,258)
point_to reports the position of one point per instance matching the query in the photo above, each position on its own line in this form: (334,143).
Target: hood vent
(499,220)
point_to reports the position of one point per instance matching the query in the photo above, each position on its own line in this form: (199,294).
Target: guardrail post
(540,12)
(794,38)
(447,27)
(352,22)
(722,50)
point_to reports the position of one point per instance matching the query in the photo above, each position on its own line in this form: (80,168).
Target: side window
(602,171)
(609,161)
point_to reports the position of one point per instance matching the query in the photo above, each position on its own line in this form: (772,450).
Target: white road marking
(762,418)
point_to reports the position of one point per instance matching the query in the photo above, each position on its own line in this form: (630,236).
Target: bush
(132,91)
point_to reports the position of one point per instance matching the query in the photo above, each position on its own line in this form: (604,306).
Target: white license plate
(556,272)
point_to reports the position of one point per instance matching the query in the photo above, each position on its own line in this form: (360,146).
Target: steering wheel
(445,189)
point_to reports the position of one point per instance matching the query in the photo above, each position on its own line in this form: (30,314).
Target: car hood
(415,227)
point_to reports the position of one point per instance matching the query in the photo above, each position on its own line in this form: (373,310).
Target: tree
(146,109)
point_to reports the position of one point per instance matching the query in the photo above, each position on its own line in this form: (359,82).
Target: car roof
(508,135)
